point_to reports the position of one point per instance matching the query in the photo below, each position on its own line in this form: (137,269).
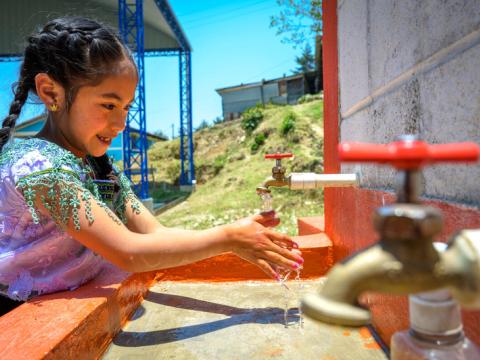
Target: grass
(230,171)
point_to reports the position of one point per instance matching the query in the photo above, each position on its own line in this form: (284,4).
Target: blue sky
(232,44)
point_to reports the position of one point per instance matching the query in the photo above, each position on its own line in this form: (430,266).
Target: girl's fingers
(266,217)
(271,223)
(281,261)
(267,269)
(281,239)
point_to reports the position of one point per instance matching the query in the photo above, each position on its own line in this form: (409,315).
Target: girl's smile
(96,116)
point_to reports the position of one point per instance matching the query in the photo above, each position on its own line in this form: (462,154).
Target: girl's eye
(108,106)
(127,107)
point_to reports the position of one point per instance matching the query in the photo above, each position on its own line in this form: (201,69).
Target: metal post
(187,175)
(130,19)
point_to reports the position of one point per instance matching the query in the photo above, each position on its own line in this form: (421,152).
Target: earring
(53,107)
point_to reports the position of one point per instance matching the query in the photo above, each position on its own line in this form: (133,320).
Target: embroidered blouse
(36,255)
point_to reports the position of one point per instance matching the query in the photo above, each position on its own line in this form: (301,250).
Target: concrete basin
(234,320)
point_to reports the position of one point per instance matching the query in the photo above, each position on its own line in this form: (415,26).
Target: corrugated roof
(258,83)
(19,18)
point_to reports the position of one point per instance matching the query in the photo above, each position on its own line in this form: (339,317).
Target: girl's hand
(254,242)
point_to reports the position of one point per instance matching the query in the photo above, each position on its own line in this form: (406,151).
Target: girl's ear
(50,92)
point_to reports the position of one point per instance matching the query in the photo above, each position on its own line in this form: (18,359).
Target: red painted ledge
(317,252)
(311,225)
(81,323)
(73,324)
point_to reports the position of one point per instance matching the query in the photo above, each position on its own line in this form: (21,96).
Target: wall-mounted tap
(404,261)
(301,181)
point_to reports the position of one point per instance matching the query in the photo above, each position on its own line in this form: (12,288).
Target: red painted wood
(311,225)
(330,99)
(73,324)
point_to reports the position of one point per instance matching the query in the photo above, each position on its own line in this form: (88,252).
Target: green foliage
(251,118)
(173,172)
(260,138)
(218,120)
(288,124)
(306,61)
(160,133)
(226,150)
(219,163)
(203,125)
(298,20)
(258,141)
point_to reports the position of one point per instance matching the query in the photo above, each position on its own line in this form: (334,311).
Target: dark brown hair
(74,51)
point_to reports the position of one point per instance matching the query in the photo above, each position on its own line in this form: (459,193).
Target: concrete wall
(410,66)
(240,100)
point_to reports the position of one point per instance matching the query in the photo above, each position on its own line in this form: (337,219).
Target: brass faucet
(301,181)
(404,260)
(278,178)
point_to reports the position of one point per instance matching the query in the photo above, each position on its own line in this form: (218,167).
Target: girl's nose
(119,123)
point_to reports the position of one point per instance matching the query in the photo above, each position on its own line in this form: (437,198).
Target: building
(284,90)
(33,126)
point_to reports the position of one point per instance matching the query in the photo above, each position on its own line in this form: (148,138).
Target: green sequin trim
(62,196)
(126,195)
(61,190)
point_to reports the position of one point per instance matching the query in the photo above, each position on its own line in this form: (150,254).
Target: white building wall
(409,66)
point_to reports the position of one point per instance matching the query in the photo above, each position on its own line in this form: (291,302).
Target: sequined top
(36,255)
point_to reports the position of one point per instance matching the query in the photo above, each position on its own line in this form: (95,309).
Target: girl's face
(98,113)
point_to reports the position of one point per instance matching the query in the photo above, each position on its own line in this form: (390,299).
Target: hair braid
(21,95)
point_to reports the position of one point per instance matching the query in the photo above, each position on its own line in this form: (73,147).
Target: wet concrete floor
(237,320)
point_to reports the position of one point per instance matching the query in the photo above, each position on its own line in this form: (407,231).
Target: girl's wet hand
(253,242)
(267,218)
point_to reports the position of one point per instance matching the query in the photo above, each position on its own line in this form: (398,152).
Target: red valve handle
(408,154)
(278,156)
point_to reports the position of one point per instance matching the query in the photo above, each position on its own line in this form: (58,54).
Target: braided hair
(73,51)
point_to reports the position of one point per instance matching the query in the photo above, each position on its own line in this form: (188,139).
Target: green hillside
(229,164)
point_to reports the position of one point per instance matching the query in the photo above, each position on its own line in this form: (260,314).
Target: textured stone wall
(409,66)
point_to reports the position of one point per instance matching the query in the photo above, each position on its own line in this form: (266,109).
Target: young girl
(63,208)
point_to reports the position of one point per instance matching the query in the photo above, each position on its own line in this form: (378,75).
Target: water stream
(288,317)
(291,318)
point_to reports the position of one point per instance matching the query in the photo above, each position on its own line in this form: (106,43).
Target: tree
(299,20)
(160,133)
(305,62)
(203,125)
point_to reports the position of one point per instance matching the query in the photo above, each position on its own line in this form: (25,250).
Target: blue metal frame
(130,23)
(10,57)
(187,175)
(162,52)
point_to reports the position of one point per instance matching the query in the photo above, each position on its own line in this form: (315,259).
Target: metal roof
(259,83)
(19,18)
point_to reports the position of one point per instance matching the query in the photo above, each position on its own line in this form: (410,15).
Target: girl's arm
(169,247)
(144,222)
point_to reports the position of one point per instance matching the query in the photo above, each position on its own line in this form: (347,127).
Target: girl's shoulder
(28,156)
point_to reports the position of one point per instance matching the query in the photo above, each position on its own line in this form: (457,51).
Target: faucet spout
(271,182)
(376,269)
(399,264)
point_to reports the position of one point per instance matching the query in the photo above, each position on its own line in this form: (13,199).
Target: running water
(266,207)
(288,292)
(266,201)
